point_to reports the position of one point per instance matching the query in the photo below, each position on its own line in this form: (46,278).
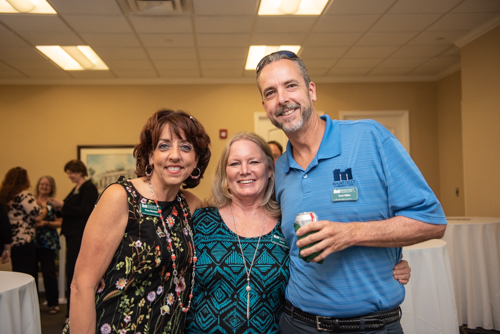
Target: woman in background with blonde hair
(47,241)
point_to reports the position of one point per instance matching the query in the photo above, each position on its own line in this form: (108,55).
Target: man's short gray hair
(282,54)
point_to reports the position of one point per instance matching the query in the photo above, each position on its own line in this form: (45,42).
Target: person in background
(370,198)
(136,270)
(5,236)
(47,241)
(276,148)
(75,209)
(23,212)
(242,270)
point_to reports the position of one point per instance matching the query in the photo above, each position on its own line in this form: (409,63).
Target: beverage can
(302,219)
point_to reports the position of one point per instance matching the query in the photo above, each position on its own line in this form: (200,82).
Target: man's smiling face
(287,100)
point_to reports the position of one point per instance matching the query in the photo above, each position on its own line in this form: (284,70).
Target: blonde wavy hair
(220,194)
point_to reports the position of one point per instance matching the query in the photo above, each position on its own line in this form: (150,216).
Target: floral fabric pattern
(137,293)
(23,210)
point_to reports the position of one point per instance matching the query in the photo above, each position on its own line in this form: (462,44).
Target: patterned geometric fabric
(220,300)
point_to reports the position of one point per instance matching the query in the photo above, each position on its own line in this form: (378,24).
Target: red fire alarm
(222,133)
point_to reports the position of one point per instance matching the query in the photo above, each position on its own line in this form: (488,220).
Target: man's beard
(286,126)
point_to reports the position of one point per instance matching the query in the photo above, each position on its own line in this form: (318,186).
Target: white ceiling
(352,41)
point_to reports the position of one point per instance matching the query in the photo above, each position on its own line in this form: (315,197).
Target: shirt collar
(329,148)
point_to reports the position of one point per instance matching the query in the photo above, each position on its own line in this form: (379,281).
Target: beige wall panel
(450,145)
(481,120)
(418,98)
(41,126)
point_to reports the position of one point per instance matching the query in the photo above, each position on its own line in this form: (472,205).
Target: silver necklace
(248,271)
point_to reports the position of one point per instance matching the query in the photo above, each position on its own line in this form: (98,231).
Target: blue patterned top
(220,300)
(47,237)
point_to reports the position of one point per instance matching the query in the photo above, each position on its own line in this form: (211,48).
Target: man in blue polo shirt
(370,198)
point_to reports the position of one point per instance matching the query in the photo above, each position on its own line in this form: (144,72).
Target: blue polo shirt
(354,156)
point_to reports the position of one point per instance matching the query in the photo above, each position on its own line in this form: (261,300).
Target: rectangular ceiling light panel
(26,7)
(73,58)
(292,7)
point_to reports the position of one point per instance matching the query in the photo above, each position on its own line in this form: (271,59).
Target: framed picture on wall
(105,164)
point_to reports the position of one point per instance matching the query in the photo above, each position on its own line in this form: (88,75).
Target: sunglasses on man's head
(286,53)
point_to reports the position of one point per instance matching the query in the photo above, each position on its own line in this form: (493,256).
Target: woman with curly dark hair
(136,267)
(23,212)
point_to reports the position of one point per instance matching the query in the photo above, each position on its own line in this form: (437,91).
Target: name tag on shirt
(345,194)
(279,240)
(149,209)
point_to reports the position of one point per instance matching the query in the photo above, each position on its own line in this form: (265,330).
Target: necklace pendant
(248,288)
(248,301)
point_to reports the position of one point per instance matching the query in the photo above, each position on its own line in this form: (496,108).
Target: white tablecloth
(19,310)
(474,248)
(429,306)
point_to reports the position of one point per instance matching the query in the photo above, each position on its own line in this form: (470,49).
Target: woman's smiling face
(247,171)
(44,187)
(174,158)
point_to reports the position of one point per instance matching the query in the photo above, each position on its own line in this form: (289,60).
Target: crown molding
(478,32)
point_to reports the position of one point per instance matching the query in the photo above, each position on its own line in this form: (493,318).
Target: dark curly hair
(178,121)
(15,181)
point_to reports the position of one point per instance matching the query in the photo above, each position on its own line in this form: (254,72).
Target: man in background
(370,198)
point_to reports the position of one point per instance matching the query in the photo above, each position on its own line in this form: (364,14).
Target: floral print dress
(137,293)
(22,211)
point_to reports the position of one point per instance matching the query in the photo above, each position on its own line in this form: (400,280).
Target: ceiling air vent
(150,7)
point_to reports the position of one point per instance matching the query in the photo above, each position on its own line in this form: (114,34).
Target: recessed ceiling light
(26,6)
(73,58)
(292,7)
(257,52)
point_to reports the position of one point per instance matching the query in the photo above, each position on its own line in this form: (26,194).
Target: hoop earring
(148,174)
(197,176)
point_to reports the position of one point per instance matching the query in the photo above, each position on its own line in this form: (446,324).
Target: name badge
(345,194)
(149,209)
(279,240)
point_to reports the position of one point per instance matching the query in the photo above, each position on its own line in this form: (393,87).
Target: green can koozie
(312,256)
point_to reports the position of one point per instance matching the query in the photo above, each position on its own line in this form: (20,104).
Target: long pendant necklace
(248,271)
(172,256)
